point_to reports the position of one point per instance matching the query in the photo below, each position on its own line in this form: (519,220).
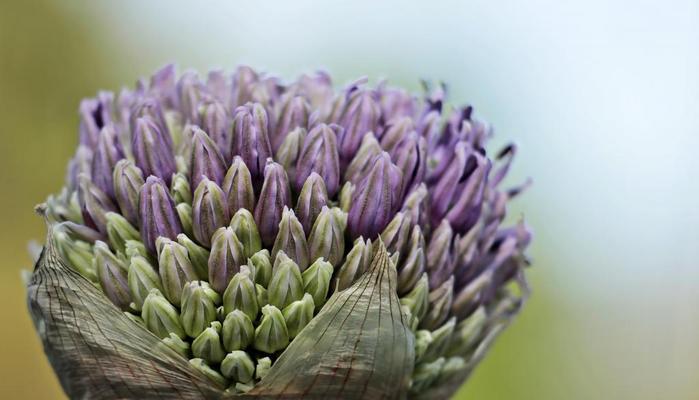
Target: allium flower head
(223,236)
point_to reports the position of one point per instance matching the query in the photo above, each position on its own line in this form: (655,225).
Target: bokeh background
(601,95)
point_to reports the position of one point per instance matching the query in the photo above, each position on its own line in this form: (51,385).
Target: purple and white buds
(250,138)
(151,151)
(274,196)
(158,216)
(319,155)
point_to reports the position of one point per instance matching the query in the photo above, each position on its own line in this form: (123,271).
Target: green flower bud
(298,314)
(289,150)
(76,253)
(207,345)
(440,301)
(160,316)
(209,211)
(245,228)
(396,234)
(199,256)
(198,310)
(240,295)
(136,248)
(356,262)
(237,185)
(345,196)
(175,269)
(262,263)
(238,332)
(417,299)
(413,265)
(312,198)
(441,338)
(119,230)
(286,285)
(271,335)
(238,366)
(451,367)
(361,163)
(468,332)
(423,339)
(210,373)
(425,374)
(177,344)
(184,212)
(262,298)
(227,255)
(263,366)
(316,281)
(327,238)
(142,278)
(291,239)
(180,190)
(112,274)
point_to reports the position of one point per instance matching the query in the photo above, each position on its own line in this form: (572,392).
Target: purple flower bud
(458,193)
(312,199)
(250,138)
(413,265)
(112,274)
(227,255)
(94,115)
(395,131)
(209,211)
(95,204)
(360,165)
(293,114)
(292,240)
(214,121)
(162,85)
(396,103)
(244,79)
(440,263)
(128,180)
(376,199)
(218,85)
(152,109)
(360,115)
(207,160)
(189,93)
(440,302)
(106,155)
(150,151)
(319,155)
(410,156)
(237,185)
(158,216)
(274,196)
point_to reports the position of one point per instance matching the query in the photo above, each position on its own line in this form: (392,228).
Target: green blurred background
(602,97)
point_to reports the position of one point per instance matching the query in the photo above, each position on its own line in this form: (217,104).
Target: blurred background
(602,97)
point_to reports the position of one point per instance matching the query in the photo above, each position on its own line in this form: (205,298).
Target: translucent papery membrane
(246,237)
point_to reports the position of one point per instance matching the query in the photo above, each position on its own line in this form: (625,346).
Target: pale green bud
(175,269)
(137,248)
(142,279)
(425,374)
(423,338)
(451,367)
(245,228)
(207,345)
(289,150)
(298,314)
(76,253)
(316,281)
(240,295)
(262,263)
(198,310)
(238,366)
(271,335)
(413,265)
(291,239)
(286,285)
(160,316)
(440,301)
(177,344)
(396,234)
(345,195)
(327,238)
(262,298)
(119,230)
(227,255)
(361,163)
(356,262)
(180,190)
(210,373)
(417,299)
(238,332)
(441,338)
(468,332)
(263,366)
(199,256)
(184,211)
(112,274)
